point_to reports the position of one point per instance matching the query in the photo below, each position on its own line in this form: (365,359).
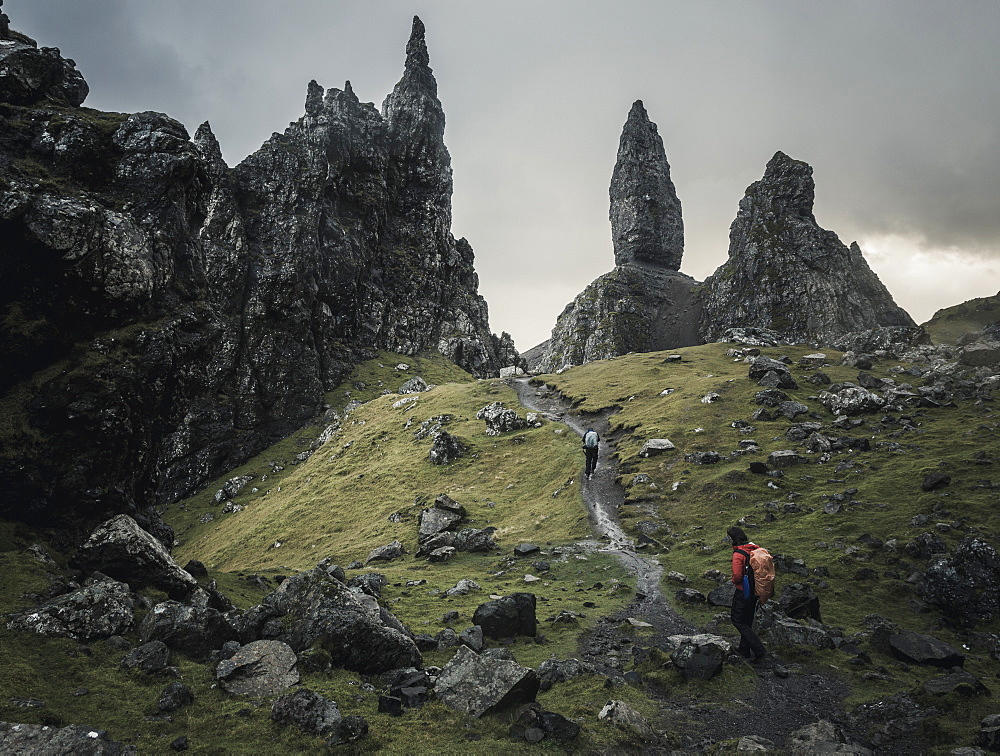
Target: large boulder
(446,449)
(851,400)
(149,657)
(964,585)
(98,610)
(476,686)
(500,419)
(194,630)
(121,549)
(799,601)
(261,668)
(474,539)
(313,608)
(698,657)
(923,649)
(785,631)
(507,616)
(435,520)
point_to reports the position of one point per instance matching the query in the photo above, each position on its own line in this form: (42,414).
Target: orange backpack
(760,567)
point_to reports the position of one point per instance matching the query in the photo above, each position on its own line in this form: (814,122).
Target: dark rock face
(196,312)
(646,224)
(29,75)
(787,274)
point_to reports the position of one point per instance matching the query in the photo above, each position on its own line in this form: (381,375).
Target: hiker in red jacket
(744,601)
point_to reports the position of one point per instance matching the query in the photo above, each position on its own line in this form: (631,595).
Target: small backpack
(760,569)
(591,439)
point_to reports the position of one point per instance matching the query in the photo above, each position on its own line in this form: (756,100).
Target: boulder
(851,401)
(553,671)
(785,631)
(500,419)
(175,696)
(623,716)
(476,686)
(698,657)
(935,480)
(121,549)
(656,446)
(980,355)
(260,668)
(775,379)
(41,740)
(448,504)
(386,553)
(472,637)
(989,733)
(98,610)
(415,385)
(722,595)
(923,649)
(770,397)
(958,681)
(149,657)
(312,608)
(462,588)
(193,630)
(534,724)
(319,716)
(792,410)
(525,549)
(444,539)
(508,616)
(964,585)
(446,449)
(473,539)
(799,601)
(434,521)
(784,458)
(761,366)
(370,583)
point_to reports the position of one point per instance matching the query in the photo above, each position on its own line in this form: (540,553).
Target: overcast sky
(896,105)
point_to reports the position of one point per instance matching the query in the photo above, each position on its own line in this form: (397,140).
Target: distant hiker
(746,596)
(590,448)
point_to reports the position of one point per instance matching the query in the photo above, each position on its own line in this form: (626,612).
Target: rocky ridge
(169,316)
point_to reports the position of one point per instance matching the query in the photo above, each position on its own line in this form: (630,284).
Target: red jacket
(740,562)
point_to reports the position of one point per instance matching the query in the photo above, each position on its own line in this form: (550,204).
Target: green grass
(711,498)
(950,323)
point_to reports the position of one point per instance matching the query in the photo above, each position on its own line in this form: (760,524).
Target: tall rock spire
(646,224)
(418,85)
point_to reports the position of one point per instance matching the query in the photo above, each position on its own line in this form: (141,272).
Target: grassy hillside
(948,325)
(696,503)
(366,485)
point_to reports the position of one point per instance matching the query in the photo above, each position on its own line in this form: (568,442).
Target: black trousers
(742,618)
(591,453)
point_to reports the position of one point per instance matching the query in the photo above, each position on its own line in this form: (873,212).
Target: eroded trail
(603,496)
(792,697)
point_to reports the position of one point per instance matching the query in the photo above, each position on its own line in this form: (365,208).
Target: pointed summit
(417,71)
(646,223)
(787,186)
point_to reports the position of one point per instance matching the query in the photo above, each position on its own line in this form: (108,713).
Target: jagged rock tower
(787,274)
(166,316)
(644,304)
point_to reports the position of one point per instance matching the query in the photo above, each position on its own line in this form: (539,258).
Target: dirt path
(784,699)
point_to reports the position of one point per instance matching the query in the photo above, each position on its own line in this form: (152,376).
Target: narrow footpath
(784,698)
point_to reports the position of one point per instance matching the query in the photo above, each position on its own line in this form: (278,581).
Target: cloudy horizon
(896,106)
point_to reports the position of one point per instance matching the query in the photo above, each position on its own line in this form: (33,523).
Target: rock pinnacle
(646,223)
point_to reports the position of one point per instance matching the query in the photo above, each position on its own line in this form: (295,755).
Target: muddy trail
(778,698)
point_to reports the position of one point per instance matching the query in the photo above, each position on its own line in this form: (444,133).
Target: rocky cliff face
(644,304)
(168,316)
(787,274)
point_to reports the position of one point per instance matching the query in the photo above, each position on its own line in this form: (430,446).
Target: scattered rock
(121,549)
(386,553)
(175,696)
(623,716)
(149,658)
(934,481)
(656,446)
(193,630)
(260,668)
(446,449)
(476,687)
(44,739)
(698,657)
(500,419)
(99,610)
(923,649)
(508,616)
(316,715)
